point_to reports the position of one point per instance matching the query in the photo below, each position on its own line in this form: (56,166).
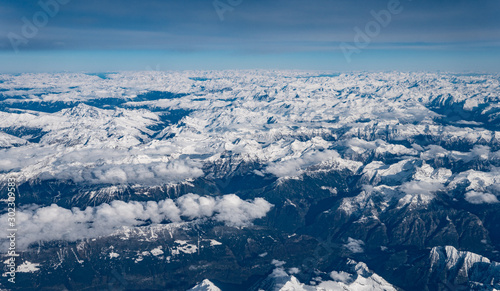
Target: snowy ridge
(358,277)
(8,141)
(205,285)
(463,266)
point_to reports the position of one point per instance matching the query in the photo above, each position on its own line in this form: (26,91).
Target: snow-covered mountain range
(388,180)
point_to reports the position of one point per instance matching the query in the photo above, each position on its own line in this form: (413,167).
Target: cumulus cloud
(56,223)
(194,206)
(475,197)
(235,212)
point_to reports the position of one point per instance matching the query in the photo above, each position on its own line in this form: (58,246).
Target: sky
(329,35)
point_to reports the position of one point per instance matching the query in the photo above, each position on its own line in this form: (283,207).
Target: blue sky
(111,35)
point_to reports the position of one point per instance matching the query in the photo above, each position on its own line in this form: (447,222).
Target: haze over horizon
(71,35)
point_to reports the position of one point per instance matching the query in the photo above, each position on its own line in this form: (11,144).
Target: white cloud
(421,187)
(194,206)
(355,245)
(475,197)
(341,276)
(99,166)
(56,223)
(236,212)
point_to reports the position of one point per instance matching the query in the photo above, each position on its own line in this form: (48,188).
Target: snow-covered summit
(205,285)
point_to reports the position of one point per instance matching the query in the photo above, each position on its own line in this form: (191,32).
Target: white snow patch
(205,285)
(28,267)
(157,251)
(213,242)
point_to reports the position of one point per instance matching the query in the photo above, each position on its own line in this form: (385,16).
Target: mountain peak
(205,285)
